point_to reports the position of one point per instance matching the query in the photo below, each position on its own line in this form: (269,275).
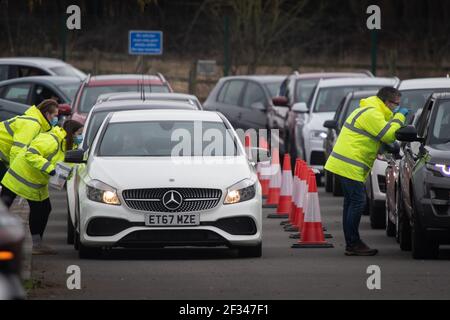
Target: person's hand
(52,173)
(403,111)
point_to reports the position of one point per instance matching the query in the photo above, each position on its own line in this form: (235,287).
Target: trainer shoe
(41,249)
(360,249)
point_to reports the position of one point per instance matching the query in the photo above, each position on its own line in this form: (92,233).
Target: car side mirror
(300,107)
(331,124)
(64,109)
(280,101)
(258,106)
(407,134)
(75,156)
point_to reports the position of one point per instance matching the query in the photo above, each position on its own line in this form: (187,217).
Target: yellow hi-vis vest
(360,139)
(18,132)
(28,175)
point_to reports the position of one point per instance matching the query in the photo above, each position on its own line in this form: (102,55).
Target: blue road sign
(145,42)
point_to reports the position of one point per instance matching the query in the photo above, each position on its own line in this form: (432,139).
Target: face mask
(54,121)
(78,139)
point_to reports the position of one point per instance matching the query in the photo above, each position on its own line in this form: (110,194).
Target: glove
(52,173)
(403,111)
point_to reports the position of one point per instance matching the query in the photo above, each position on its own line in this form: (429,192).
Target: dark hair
(388,94)
(71,126)
(48,105)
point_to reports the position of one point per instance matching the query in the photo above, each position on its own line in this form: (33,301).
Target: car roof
(362,94)
(162,115)
(35,61)
(425,83)
(114,96)
(331,75)
(258,78)
(342,82)
(119,105)
(57,80)
(123,79)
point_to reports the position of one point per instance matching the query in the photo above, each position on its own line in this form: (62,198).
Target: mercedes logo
(172,200)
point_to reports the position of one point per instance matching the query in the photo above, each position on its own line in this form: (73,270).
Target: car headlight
(318,135)
(101,192)
(240,192)
(440,170)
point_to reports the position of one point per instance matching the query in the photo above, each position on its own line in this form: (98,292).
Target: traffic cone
(295,191)
(312,232)
(263,169)
(285,201)
(297,221)
(247,146)
(275,181)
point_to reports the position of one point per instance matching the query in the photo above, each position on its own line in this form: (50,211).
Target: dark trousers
(354,205)
(39,211)
(3,169)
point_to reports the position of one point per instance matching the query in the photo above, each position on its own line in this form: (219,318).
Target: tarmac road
(282,272)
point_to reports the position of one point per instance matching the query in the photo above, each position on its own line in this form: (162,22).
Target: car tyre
(377,216)
(423,246)
(337,187)
(328,181)
(250,251)
(70,228)
(88,252)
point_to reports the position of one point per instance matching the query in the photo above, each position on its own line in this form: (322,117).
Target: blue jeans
(354,205)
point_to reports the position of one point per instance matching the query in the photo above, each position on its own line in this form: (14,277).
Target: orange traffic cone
(297,216)
(275,181)
(263,169)
(295,191)
(312,232)
(285,201)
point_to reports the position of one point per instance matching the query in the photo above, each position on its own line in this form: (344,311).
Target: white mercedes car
(157,178)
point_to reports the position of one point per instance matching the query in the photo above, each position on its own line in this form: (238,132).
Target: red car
(93,87)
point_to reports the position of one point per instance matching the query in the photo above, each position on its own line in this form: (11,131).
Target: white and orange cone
(275,181)
(264,169)
(285,201)
(297,215)
(312,232)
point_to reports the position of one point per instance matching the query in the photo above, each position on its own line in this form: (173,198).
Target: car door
(4,72)
(254,106)
(229,100)
(17,92)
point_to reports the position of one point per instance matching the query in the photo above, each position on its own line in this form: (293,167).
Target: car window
(167,138)
(17,92)
(304,88)
(253,93)
(70,89)
(3,72)
(328,98)
(64,71)
(41,93)
(94,124)
(223,91)
(234,92)
(273,88)
(439,127)
(416,99)
(25,71)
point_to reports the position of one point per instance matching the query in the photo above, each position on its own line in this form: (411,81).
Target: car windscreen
(439,128)
(90,94)
(273,88)
(167,138)
(93,125)
(304,89)
(70,89)
(416,99)
(328,99)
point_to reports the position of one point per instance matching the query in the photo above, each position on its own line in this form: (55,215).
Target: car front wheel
(423,246)
(250,251)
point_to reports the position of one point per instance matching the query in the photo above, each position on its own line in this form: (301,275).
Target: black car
(246,101)
(423,216)
(12,235)
(349,104)
(24,92)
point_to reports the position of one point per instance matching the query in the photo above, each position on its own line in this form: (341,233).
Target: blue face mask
(54,121)
(78,139)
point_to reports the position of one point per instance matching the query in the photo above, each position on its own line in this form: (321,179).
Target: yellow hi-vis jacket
(28,174)
(18,132)
(361,136)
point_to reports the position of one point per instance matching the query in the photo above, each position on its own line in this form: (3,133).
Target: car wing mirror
(300,107)
(64,109)
(407,134)
(331,124)
(75,156)
(280,101)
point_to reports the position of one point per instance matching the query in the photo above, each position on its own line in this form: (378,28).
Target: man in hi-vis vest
(373,123)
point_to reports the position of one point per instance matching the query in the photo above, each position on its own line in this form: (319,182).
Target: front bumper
(378,178)
(212,230)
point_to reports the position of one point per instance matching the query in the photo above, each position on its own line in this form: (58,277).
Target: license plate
(176,219)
